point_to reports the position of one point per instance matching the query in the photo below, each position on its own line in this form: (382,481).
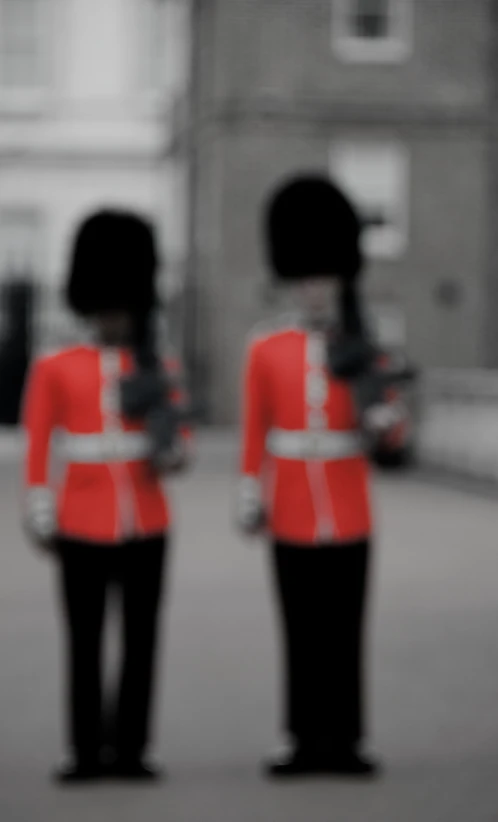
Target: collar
(303,323)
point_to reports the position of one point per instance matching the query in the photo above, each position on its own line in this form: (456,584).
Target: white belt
(110,446)
(309,445)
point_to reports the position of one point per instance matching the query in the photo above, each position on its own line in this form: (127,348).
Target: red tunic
(108,492)
(303,449)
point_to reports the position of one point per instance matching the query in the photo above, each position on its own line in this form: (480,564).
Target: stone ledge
(456,480)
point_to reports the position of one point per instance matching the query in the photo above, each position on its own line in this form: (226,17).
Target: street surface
(434,668)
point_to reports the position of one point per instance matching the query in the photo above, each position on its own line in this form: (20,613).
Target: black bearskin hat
(312,230)
(113,265)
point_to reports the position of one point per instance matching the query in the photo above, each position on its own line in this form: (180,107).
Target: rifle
(146,393)
(354,357)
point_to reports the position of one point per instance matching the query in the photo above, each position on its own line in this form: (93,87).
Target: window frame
(158,95)
(388,243)
(35,97)
(35,211)
(351,48)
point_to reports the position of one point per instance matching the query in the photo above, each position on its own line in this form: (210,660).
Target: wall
(100,132)
(256,43)
(448,173)
(262,113)
(458,427)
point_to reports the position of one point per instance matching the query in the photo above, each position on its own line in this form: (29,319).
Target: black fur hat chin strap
(351,318)
(352,352)
(144,342)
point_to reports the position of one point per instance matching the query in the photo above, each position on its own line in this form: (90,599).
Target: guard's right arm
(255,422)
(385,420)
(39,420)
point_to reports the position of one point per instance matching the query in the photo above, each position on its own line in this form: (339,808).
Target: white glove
(380,419)
(250,509)
(40,517)
(176,459)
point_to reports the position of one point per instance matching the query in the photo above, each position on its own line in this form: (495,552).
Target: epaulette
(61,348)
(278,324)
(51,352)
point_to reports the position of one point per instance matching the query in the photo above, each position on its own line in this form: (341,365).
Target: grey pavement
(433,652)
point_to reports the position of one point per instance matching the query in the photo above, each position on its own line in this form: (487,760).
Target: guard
(305,474)
(106,519)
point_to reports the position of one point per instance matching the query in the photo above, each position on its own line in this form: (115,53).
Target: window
(372,30)
(163,54)
(22,42)
(375,175)
(174,209)
(21,249)
(370,19)
(152,37)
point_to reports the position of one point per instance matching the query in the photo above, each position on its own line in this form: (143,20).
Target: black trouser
(321,599)
(88,573)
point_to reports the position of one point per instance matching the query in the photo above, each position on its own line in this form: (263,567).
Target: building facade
(394,98)
(191,110)
(87,94)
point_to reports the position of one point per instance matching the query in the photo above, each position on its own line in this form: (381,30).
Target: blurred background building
(193,109)
(396,98)
(87,91)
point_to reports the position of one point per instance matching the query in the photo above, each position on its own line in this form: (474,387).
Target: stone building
(87,94)
(397,99)
(193,109)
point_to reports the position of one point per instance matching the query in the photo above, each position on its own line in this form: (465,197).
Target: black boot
(137,768)
(351,763)
(298,761)
(310,761)
(79,771)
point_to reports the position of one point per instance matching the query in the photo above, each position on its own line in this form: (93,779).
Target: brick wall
(271,98)
(448,193)
(282,49)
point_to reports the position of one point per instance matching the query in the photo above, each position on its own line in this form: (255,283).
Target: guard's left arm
(39,418)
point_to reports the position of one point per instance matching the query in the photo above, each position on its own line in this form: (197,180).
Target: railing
(457,426)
